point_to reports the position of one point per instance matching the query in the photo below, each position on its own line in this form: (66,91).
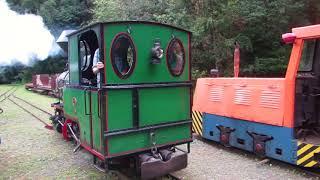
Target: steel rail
(46,124)
(311,172)
(5,94)
(29,103)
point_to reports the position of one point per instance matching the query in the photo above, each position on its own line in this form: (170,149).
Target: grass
(28,150)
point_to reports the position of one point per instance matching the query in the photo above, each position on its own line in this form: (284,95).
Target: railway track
(2,94)
(311,172)
(46,125)
(13,89)
(29,103)
(8,93)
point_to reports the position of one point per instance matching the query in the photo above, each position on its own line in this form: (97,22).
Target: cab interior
(88,44)
(307,102)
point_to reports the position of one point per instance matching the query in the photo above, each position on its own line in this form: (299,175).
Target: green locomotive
(129,95)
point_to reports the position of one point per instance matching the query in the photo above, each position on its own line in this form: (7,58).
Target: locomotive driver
(97,66)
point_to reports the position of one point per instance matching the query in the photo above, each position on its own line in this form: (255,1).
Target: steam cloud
(23,37)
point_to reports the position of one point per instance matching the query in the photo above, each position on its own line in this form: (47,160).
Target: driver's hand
(100,65)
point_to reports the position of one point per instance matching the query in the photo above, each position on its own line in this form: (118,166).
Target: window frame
(173,40)
(313,58)
(87,52)
(115,69)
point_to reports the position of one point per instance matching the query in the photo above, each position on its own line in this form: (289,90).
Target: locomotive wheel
(58,127)
(65,131)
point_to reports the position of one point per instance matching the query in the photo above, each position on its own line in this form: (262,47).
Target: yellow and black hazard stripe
(306,155)
(197,122)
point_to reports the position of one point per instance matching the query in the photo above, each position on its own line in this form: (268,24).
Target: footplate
(152,168)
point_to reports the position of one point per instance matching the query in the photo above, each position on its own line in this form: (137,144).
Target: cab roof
(307,32)
(126,22)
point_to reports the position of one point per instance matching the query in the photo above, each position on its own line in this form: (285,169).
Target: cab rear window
(175,57)
(123,55)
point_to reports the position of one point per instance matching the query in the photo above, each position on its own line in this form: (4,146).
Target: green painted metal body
(100,111)
(144,37)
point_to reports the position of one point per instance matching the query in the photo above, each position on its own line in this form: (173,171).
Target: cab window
(88,44)
(85,54)
(175,57)
(123,55)
(308,55)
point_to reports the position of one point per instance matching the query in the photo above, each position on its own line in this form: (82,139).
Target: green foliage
(64,13)
(10,73)
(21,73)
(217,25)
(196,73)
(254,24)
(164,11)
(49,66)
(26,6)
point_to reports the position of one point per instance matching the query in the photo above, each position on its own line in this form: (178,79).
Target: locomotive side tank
(273,117)
(138,106)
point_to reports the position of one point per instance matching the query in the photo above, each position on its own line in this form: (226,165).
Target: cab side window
(88,44)
(308,54)
(85,54)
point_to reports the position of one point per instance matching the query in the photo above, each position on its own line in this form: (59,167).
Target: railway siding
(30,151)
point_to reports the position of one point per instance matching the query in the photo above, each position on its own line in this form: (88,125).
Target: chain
(153,143)
(154,149)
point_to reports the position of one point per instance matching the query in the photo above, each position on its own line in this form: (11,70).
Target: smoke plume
(23,37)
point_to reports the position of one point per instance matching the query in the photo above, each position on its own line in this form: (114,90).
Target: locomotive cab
(138,107)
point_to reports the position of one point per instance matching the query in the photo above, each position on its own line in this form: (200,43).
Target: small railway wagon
(43,83)
(138,107)
(273,117)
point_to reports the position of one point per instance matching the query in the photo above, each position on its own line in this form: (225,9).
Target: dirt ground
(209,160)
(28,150)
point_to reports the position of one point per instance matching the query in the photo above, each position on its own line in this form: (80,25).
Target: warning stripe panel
(306,155)
(195,126)
(197,122)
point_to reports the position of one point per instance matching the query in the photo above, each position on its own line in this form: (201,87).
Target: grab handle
(99,105)
(85,102)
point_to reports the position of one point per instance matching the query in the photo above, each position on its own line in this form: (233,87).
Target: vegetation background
(216,24)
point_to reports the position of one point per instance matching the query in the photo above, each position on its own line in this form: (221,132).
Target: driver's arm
(97,65)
